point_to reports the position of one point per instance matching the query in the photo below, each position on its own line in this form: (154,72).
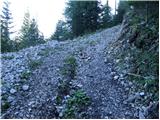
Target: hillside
(71,79)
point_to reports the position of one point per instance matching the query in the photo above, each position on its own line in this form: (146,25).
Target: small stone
(79,85)
(29,109)
(12,91)
(141,115)
(16,113)
(127,113)
(121,75)
(116,77)
(113,73)
(109,113)
(141,93)
(25,87)
(60,114)
(117,60)
(106,117)
(132,98)
(10,99)
(30,103)
(122,82)
(105,60)
(130,83)
(127,88)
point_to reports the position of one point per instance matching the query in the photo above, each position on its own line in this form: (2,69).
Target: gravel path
(94,75)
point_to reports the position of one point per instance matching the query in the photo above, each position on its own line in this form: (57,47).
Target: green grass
(7,57)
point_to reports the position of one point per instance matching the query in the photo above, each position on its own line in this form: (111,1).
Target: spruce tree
(63,31)
(121,10)
(82,16)
(30,34)
(6,22)
(106,16)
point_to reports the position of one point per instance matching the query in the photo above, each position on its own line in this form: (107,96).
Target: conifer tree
(30,34)
(82,16)
(106,15)
(6,25)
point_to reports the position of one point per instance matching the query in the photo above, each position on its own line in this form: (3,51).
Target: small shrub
(69,113)
(79,99)
(76,103)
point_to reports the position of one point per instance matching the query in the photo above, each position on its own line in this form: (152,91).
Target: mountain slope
(31,79)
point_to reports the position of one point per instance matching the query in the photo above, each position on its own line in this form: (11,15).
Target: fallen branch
(137,75)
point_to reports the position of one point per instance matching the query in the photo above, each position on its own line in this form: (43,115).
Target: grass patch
(8,57)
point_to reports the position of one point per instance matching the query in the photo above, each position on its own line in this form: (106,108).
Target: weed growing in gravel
(76,103)
(58,100)
(33,64)
(25,74)
(69,113)
(69,68)
(79,99)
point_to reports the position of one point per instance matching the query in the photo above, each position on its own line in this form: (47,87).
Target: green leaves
(77,102)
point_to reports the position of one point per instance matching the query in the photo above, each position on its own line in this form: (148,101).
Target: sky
(46,12)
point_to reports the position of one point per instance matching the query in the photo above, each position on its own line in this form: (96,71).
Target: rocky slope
(42,81)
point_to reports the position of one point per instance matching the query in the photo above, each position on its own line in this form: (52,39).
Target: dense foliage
(137,50)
